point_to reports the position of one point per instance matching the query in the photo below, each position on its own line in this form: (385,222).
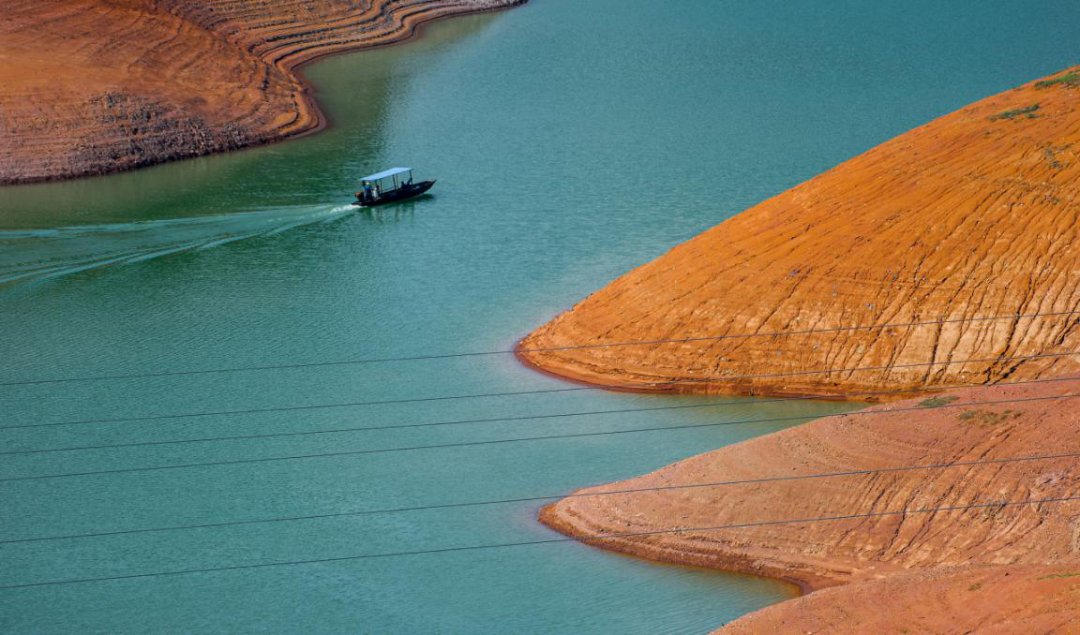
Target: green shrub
(1053,576)
(1069,80)
(937,402)
(988,417)
(1016,112)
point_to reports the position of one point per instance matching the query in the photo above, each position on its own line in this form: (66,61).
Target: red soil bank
(901,526)
(898,532)
(973,215)
(95,86)
(906,433)
(1008,599)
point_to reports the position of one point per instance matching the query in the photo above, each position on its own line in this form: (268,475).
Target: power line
(428,424)
(676,382)
(532,499)
(271,435)
(413,358)
(523,543)
(347,404)
(462,444)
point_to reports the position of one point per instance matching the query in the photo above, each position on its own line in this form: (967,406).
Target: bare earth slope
(95,86)
(1008,599)
(973,215)
(960,505)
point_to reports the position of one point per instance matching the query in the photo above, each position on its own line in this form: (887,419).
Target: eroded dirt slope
(860,525)
(95,86)
(971,216)
(1006,599)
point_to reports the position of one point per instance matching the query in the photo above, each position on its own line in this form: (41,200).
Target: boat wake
(39,254)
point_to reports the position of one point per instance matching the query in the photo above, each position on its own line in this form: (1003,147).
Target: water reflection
(396,212)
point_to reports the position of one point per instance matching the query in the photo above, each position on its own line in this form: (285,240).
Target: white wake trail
(41,254)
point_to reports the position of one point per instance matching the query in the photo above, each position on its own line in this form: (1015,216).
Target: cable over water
(166,372)
(998,504)
(548,497)
(496,442)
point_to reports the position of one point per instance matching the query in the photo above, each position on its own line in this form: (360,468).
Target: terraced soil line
(946,256)
(973,483)
(97,86)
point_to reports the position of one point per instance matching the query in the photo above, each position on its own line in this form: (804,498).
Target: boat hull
(402,193)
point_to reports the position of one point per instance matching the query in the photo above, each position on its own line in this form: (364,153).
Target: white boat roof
(386,173)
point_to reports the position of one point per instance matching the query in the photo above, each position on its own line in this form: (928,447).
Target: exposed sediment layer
(1003,599)
(95,86)
(972,216)
(947,256)
(917,486)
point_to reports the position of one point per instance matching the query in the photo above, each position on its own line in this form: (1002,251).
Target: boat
(388,186)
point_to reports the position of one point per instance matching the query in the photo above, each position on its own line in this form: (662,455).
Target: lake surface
(572,141)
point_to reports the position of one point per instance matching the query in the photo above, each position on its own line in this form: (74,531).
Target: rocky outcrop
(946,256)
(95,86)
(913,485)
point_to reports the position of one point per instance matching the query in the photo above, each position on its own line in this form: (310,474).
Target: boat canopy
(385,174)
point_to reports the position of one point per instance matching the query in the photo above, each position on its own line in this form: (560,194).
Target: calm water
(572,140)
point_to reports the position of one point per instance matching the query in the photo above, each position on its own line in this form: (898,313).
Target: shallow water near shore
(572,141)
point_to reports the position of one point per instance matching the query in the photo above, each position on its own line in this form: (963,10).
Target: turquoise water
(572,141)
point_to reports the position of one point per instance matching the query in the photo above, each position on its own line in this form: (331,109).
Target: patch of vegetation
(988,417)
(1017,112)
(1053,576)
(1069,80)
(1051,158)
(937,402)
(975,587)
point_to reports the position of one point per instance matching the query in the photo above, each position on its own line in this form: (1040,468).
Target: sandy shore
(915,243)
(95,86)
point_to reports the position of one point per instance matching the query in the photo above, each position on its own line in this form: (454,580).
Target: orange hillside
(971,216)
(94,86)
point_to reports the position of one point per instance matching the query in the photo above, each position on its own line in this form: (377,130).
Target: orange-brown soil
(94,86)
(970,428)
(911,517)
(973,215)
(856,528)
(1005,599)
